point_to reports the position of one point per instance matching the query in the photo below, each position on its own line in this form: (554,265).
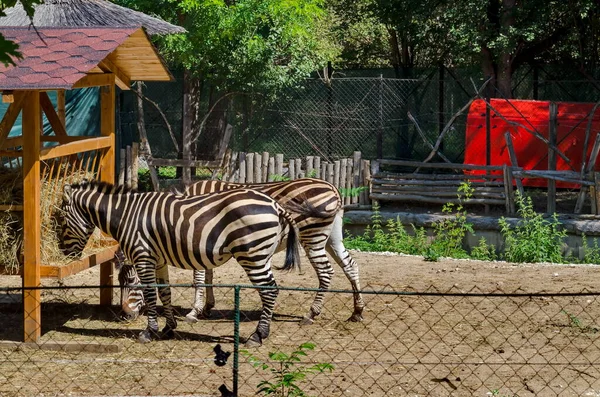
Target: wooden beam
(8,97)
(107,171)
(184,163)
(57,125)
(95,80)
(61,106)
(31,217)
(13,141)
(77,146)
(121,79)
(10,117)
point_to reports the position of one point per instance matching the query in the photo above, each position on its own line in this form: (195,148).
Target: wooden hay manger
(55,174)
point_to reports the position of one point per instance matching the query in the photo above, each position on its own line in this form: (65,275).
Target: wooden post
(122,166)
(366,181)
(596,190)
(343,170)
(329,174)
(270,170)
(356,180)
(513,161)
(552,128)
(242,168)
(336,173)
(107,172)
(249,167)
(310,166)
(257,168)
(349,182)
(279,164)
(61,107)
(265,166)
(292,169)
(32,312)
(135,157)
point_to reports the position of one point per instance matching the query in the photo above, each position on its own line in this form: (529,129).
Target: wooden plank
(433,200)
(57,125)
(78,146)
(61,106)
(121,79)
(11,207)
(513,160)
(95,80)
(10,117)
(249,167)
(74,267)
(107,171)
(356,181)
(32,313)
(183,163)
(455,166)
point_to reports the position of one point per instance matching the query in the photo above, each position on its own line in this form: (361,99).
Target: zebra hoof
(145,336)
(167,333)
(191,317)
(355,318)
(129,317)
(254,341)
(307,321)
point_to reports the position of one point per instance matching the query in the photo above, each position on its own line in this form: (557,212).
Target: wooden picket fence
(350,175)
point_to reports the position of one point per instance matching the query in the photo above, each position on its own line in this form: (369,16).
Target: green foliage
(312,174)
(168,172)
(450,233)
(8,49)
(395,239)
(533,239)
(484,251)
(576,323)
(287,372)
(590,254)
(353,191)
(279,178)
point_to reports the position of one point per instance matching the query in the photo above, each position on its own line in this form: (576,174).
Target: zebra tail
(292,254)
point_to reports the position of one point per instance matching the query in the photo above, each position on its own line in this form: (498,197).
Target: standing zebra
(318,235)
(191,232)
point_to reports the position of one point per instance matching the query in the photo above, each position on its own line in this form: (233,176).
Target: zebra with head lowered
(319,235)
(191,232)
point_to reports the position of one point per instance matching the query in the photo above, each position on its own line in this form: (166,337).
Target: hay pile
(11,222)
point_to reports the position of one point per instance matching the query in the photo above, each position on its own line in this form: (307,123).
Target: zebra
(318,235)
(192,232)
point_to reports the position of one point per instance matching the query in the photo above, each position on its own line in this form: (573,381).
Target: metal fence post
(236,337)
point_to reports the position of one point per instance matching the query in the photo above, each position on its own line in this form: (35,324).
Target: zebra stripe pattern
(191,232)
(319,235)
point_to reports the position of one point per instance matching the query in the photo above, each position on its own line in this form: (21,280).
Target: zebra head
(132,297)
(76,227)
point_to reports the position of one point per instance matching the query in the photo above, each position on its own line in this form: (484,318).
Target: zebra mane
(103,187)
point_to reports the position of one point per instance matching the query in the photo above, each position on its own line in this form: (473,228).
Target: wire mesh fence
(356,110)
(434,343)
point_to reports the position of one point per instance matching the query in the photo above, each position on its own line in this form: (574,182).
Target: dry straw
(11,222)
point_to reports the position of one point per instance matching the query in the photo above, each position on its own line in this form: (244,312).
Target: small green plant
(533,239)
(484,251)
(352,192)
(496,393)
(450,233)
(590,254)
(312,174)
(286,372)
(575,322)
(279,178)
(168,172)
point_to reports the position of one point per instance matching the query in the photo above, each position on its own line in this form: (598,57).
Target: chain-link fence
(366,111)
(434,343)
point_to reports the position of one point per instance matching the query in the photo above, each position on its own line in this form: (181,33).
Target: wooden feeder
(62,59)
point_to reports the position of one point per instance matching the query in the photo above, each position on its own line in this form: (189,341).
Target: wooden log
(310,165)
(324,170)
(300,173)
(243,167)
(265,167)
(437,177)
(337,166)
(349,181)
(513,160)
(356,180)
(279,164)
(122,166)
(129,165)
(135,157)
(317,165)
(329,173)
(249,168)
(271,169)
(434,200)
(426,182)
(292,169)
(257,168)
(366,175)
(455,166)
(508,189)
(343,170)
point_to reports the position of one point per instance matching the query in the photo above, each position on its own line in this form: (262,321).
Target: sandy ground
(421,334)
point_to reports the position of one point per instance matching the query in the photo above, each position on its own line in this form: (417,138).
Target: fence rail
(433,343)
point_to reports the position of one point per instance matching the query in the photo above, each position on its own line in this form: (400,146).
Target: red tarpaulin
(523,119)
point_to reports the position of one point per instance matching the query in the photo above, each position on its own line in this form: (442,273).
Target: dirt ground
(421,335)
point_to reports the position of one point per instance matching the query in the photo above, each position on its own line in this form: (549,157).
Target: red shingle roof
(58,57)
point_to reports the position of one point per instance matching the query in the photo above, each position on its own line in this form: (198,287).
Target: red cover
(531,152)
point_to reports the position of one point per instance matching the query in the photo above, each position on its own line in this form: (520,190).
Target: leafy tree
(8,49)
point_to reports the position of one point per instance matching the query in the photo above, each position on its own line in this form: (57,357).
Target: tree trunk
(213,134)
(192,86)
(394,51)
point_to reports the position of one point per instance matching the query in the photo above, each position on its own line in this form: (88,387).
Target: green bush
(533,239)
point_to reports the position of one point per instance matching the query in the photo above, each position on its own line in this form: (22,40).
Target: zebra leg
(162,277)
(147,274)
(267,297)
(319,261)
(210,294)
(336,249)
(196,312)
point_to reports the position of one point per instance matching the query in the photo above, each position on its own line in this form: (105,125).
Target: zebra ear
(67,194)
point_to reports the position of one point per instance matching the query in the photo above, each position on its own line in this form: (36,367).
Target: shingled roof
(86,13)
(56,58)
